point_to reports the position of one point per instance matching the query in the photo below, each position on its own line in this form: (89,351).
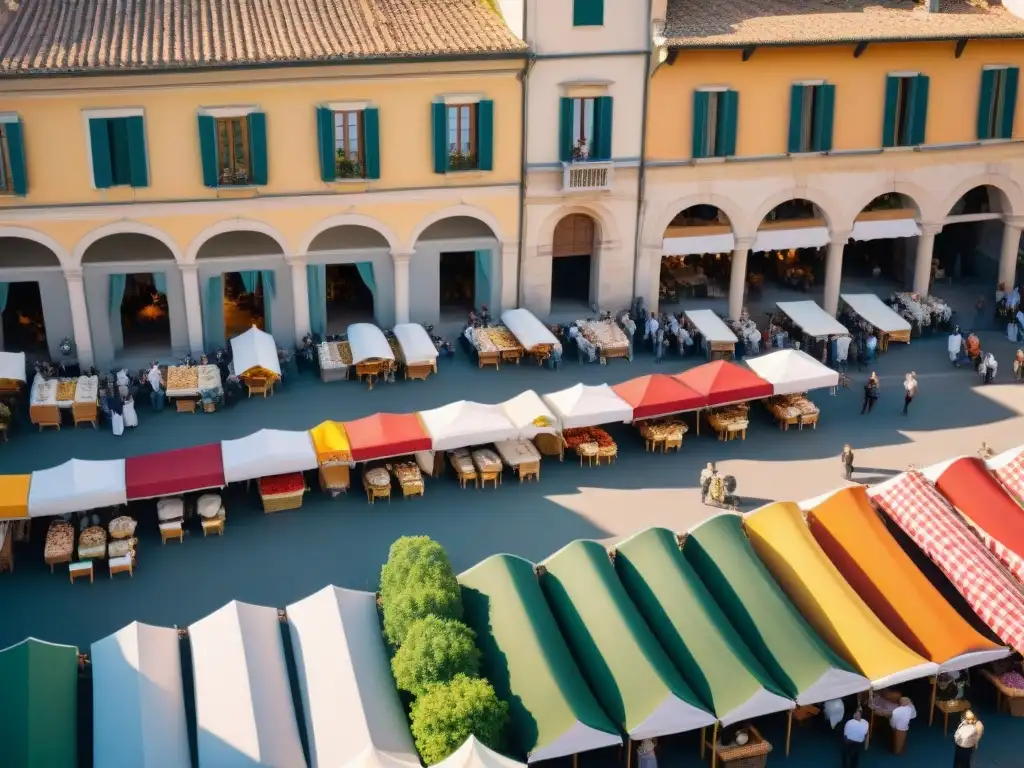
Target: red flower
(275,484)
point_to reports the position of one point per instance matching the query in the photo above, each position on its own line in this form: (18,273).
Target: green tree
(449,713)
(417,581)
(435,650)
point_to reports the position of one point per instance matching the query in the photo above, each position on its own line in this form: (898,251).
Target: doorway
(144,318)
(349,297)
(243,303)
(458,282)
(24,329)
(572,253)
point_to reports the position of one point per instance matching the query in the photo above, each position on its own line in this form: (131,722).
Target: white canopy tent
(416,344)
(244,710)
(267,452)
(884,229)
(711,326)
(530,415)
(254,349)
(877,312)
(583,406)
(12,366)
(696,245)
(790,371)
(814,320)
(787,239)
(353,713)
(77,486)
(368,342)
(473,754)
(465,423)
(527,328)
(138,699)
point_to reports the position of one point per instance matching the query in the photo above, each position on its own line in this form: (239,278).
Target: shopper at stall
(909,390)
(900,722)
(955,345)
(116,414)
(131,418)
(871,347)
(156,382)
(965,740)
(646,753)
(630,328)
(989,366)
(972,346)
(659,344)
(871,391)
(854,733)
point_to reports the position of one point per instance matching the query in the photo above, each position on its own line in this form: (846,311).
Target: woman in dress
(131,418)
(116,415)
(645,752)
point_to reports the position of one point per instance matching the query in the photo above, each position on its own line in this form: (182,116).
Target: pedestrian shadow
(877,471)
(871,479)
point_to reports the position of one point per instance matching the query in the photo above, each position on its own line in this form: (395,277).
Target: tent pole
(714,741)
(629,752)
(703,731)
(789,730)
(576,760)
(698,422)
(931,708)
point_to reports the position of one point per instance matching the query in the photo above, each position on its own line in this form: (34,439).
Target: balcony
(587,176)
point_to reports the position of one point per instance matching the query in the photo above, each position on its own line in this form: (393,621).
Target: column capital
(296,260)
(1015,222)
(839,236)
(73,274)
(931,229)
(402,256)
(744,243)
(189,266)
(509,246)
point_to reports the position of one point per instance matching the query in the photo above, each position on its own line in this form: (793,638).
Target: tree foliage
(449,713)
(417,581)
(435,650)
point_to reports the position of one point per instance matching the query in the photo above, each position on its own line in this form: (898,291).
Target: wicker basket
(1014,697)
(550,445)
(753,754)
(279,502)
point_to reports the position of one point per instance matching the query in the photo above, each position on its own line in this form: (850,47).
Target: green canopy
(39,705)
(553,713)
(794,655)
(692,628)
(632,676)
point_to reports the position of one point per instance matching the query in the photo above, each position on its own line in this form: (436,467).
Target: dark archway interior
(970,250)
(349,299)
(696,275)
(572,254)
(24,327)
(458,281)
(242,308)
(145,321)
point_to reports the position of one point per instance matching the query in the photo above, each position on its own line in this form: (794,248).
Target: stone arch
(922,200)
(606,229)
(658,224)
(1011,192)
(348,220)
(830,210)
(123,228)
(469,211)
(44,240)
(234,225)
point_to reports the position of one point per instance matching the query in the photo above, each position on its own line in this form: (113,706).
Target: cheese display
(335,359)
(92,543)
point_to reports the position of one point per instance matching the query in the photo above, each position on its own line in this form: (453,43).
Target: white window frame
(451,99)
(713,134)
(347,106)
(106,114)
(9,117)
(223,112)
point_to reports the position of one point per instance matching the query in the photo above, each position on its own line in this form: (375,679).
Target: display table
(409,478)
(753,754)
(793,409)
(730,422)
(462,462)
(947,708)
(667,434)
(334,478)
(60,543)
(123,564)
(487,352)
(591,443)
(607,336)
(282,492)
(377,484)
(335,358)
(80,570)
(522,456)
(488,466)
(1012,695)
(172,531)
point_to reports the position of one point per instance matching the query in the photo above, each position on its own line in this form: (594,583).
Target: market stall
(77,486)
(171,473)
(279,493)
(815,324)
(587,406)
(371,353)
(493,345)
(334,454)
(85,407)
(12,373)
(59,546)
(255,361)
(14,490)
(335,359)
(924,312)
(535,337)
(473,754)
(48,397)
(243,702)
(139,699)
(352,711)
(418,353)
(726,389)
(879,317)
(267,452)
(384,435)
(717,340)
(606,336)
(43,409)
(792,373)
(539,434)
(191,384)
(464,423)
(658,395)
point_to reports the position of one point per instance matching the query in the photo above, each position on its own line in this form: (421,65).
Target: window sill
(465,173)
(908,148)
(809,153)
(350,181)
(708,160)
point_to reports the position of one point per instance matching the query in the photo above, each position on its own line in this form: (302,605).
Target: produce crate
(282,492)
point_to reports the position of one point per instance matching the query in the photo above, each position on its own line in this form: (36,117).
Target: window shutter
(16,155)
(986,103)
(824,110)
(258,147)
(208,150)
(99,141)
(603,122)
(371,142)
(565,131)
(796,118)
(485,135)
(918,108)
(892,97)
(440,120)
(138,163)
(726,139)
(1010,80)
(588,13)
(700,123)
(325,143)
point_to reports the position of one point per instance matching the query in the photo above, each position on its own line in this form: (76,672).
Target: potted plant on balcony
(461,161)
(346,167)
(580,152)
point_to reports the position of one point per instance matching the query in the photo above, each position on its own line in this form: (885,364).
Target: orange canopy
(14,496)
(847,527)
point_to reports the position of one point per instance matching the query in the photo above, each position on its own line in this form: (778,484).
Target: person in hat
(965,740)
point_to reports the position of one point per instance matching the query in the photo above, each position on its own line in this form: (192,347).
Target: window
(997,103)
(13,179)
(463,136)
(118,147)
(6,174)
(906,110)
(586,128)
(233,147)
(233,151)
(348,145)
(588,13)
(714,123)
(810,117)
(582,128)
(349,142)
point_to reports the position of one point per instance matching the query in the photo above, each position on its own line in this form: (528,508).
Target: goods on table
(751,753)
(281,492)
(669,434)
(730,421)
(377,484)
(488,464)
(85,407)
(481,340)
(60,543)
(580,435)
(120,548)
(66,390)
(170,509)
(462,462)
(92,543)
(182,378)
(408,475)
(607,336)
(335,359)
(43,408)
(793,409)
(210,507)
(503,339)
(122,527)
(924,311)
(522,456)
(1009,688)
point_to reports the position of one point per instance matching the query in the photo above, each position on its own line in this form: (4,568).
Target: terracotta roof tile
(702,24)
(77,36)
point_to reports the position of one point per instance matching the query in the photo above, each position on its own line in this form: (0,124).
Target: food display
(43,409)
(481,340)
(66,390)
(281,492)
(578,436)
(168,510)
(730,421)
(462,462)
(409,477)
(793,409)
(209,506)
(607,336)
(60,543)
(377,484)
(122,547)
(522,456)
(183,379)
(122,527)
(668,434)
(486,460)
(503,339)
(335,358)
(85,407)
(92,543)
(923,311)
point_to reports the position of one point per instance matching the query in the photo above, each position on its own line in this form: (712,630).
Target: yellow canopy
(14,496)
(331,442)
(785,545)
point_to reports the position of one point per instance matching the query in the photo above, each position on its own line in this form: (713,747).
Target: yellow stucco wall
(764,83)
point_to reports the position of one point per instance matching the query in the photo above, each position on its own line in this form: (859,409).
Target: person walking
(854,733)
(899,720)
(156,382)
(847,458)
(1018,365)
(870,394)
(965,739)
(955,345)
(909,390)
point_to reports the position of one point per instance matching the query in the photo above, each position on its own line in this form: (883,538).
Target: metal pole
(629,752)
(789,730)
(576,761)
(703,742)
(714,742)
(931,706)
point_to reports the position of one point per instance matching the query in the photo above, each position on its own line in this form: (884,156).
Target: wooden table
(80,570)
(948,708)
(172,531)
(121,564)
(213,525)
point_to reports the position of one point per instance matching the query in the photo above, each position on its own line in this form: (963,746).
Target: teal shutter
(588,13)
(986,103)
(258,147)
(138,163)
(565,131)
(485,135)
(325,143)
(371,142)
(16,156)
(439,118)
(701,101)
(918,109)
(1010,80)
(892,98)
(727,121)
(208,150)
(796,118)
(603,122)
(120,159)
(824,111)
(99,142)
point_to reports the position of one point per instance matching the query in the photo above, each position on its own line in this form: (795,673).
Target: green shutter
(565,131)
(138,163)
(824,110)
(701,101)
(325,143)
(258,173)
(986,103)
(16,156)
(588,13)
(371,142)
(796,118)
(1010,80)
(892,99)
(208,150)
(99,142)
(725,141)
(485,135)
(918,109)
(439,118)
(603,123)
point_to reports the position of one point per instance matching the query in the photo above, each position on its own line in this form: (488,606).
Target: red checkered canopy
(1011,475)
(923,514)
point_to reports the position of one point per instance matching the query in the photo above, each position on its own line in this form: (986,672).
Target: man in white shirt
(955,345)
(854,733)
(156,381)
(651,327)
(966,739)
(900,722)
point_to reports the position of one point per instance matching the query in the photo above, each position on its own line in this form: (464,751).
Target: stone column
(1008,255)
(923,264)
(300,296)
(648,275)
(738,276)
(509,277)
(401,261)
(193,307)
(79,317)
(834,270)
